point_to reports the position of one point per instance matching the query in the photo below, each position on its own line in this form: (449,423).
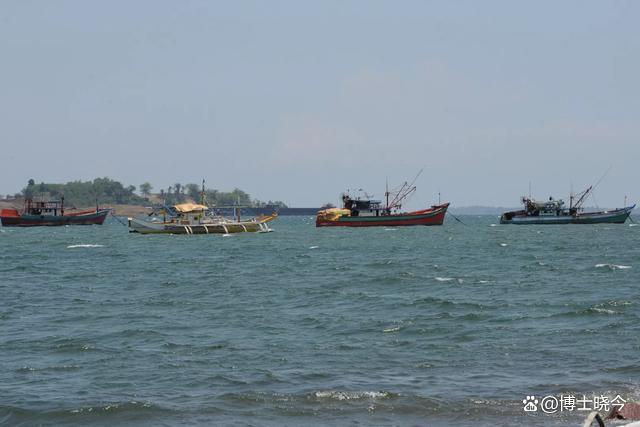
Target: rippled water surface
(444,326)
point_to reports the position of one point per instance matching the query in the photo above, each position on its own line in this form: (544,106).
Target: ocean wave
(602,310)
(351,395)
(590,311)
(123,411)
(84,246)
(613,266)
(49,368)
(444,279)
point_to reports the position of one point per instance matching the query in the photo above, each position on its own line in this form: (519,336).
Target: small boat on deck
(50,213)
(366,212)
(553,211)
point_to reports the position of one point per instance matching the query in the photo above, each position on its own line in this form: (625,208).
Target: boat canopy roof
(190,207)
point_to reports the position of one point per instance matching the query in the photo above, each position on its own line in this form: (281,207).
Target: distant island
(129,199)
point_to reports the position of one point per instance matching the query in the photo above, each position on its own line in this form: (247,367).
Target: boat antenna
(529,189)
(202,193)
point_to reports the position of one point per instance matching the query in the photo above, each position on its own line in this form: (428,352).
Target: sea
(469,324)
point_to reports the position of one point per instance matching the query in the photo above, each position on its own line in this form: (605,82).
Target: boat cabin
(551,207)
(363,207)
(189,213)
(54,207)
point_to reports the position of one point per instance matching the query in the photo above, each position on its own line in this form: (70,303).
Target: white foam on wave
(314,247)
(227,235)
(613,266)
(503,244)
(390,229)
(493,225)
(350,395)
(84,246)
(633,225)
(444,279)
(392,329)
(603,310)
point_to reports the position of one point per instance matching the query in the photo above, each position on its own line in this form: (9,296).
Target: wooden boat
(553,211)
(50,213)
(379,217)
(191,218)
(365,212)
(206,226)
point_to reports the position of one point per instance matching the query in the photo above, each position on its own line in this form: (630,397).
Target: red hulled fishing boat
(50,213)
(365,212)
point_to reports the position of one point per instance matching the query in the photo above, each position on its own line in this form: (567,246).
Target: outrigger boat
(191,218)
(554,212)
(50,213)
(359,212)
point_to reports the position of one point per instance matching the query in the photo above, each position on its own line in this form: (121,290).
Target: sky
(298,100)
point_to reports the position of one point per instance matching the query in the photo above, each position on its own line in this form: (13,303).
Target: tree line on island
(108,191)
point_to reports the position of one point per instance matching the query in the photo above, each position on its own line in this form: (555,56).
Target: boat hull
(433,216)
(146,227)
(617,216)
(25,220)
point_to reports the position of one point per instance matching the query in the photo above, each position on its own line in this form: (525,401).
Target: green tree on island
(78,193)
(145,189)
(108,191)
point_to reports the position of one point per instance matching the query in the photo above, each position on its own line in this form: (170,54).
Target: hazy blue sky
(299,100)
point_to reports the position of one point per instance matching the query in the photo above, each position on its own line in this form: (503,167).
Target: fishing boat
(554,211)
(367,212)
(194,218)
(50,213)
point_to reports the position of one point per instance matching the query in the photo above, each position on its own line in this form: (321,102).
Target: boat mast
(405,191)
(386,192)
(583,197)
